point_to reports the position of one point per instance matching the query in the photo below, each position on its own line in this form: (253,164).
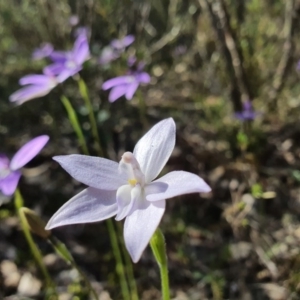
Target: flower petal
(108,54)
(179,183)
(28,151)
(123,201)
(54,69)
(44,51)
(154,149)
(9,184)
(155,188)
(59,56)
(30,92)
(143,77)
(4,162)
(96,172)
(91,205)
(66,73)
(81,51)
(122,43)
(116,81)
(34,79)
(117,92)
(131,89)
(140,226)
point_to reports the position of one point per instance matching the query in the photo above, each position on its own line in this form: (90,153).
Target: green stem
(111,230)
(142,109)
(109,223)
(128,264)
(117,254)
(158,247)
(63,251)
(85,95)
(33,248)
(74,122)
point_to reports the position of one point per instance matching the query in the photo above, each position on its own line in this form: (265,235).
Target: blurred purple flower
(180,50)
(74,20)
(108,54)
(44,51)
(36,86)
(69,63)
(247,113)
(83,30)
(121,44)
(10,169)
(126,85)
(298,66)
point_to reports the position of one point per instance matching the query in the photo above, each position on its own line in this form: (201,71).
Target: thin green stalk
(33,248)
(128,265)
(74,122)
(142,109)
(85,95)
(110,227)
(109,223)
(158,247)
(63,251)
(117,254)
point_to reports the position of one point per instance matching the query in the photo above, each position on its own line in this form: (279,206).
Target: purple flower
(121,44)
(108,55)
(247,113)
(128,190)
(126,85)
(73,20)
(10,169)
(83,30)
(44,51)
(69,63)
(36,86)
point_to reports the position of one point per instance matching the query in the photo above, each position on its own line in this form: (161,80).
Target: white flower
(128,189)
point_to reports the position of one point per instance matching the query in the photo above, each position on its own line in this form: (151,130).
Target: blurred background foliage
(205,57)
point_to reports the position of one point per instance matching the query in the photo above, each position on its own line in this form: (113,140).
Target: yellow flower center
(132,182)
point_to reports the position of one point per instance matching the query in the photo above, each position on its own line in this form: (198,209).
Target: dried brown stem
(284,63)
(230,48)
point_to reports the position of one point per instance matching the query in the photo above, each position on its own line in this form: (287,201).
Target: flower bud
(35,223)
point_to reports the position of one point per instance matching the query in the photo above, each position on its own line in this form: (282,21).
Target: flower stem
(117,253)
(63,251)
(85,95)
(128,265)
(158,247)
(142,109)
(74,122)
(111,230)
(109,223)
(33,248)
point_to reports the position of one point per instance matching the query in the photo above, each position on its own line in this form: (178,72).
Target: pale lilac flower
(83,30)
(128,189)
(69,63)
(247,113)
(10,169)
(180,50)
(44,51)
(126,85)
(121,44)
(74,20)
(108,55)
(35,86)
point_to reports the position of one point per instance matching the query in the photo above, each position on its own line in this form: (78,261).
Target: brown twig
(227,42)
(174,29)
(284,63)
